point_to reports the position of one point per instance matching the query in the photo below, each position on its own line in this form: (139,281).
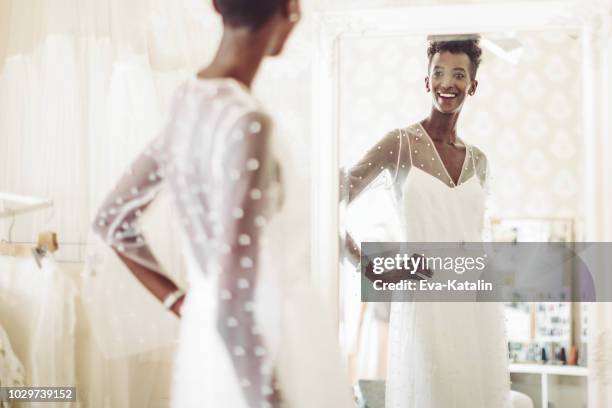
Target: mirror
(528,116)
(523,116)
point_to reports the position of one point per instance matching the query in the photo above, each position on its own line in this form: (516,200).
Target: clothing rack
(25,204)
(47,241)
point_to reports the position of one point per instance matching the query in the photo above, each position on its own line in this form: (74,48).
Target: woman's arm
(385,155)
(117,220)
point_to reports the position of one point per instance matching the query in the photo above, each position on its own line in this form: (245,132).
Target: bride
(440,354)
(252,334)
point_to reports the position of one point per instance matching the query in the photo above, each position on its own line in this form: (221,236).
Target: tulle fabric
(12,373)
(37,310)
(82,85)
(308,355)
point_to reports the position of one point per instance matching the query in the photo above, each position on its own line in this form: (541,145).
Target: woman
(440,354)
(249,334)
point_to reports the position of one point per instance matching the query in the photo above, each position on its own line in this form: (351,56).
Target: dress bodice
(432,207)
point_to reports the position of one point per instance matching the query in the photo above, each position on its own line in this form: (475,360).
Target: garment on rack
(37,307)
(12,373)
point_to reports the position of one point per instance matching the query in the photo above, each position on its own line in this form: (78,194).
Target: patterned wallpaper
(526,117)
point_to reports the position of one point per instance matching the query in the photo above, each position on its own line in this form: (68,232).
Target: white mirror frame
(588,20)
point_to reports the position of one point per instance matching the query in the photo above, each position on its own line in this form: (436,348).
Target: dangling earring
(294,17)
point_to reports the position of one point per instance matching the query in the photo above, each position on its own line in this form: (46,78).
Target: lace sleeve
(117,220)
(481,167)
(385,155)
(250,170)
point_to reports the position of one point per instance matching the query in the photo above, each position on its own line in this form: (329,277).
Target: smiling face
(449,81)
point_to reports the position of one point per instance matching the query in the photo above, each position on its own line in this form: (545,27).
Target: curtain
(80,79)
(12,373)
(84,85)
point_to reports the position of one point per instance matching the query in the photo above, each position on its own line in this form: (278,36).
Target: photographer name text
(453,285)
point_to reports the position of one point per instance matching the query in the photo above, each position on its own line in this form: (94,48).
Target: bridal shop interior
(86,84)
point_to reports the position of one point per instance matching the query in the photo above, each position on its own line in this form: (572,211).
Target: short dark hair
(469,47)
(248,13)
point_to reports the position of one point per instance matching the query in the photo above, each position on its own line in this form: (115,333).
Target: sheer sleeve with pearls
(117,220)
(224,205)
(244,206)
(384,156)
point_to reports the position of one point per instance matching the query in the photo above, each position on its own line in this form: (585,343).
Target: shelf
(548,369)
(544,371)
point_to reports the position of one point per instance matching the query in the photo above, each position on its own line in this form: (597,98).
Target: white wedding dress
(444,355)
(12,373)
(38,311)
(441,355)
(251,324)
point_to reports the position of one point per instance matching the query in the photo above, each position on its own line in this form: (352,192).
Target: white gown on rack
(444,355)
(250,320)
(12,373)
(38,311)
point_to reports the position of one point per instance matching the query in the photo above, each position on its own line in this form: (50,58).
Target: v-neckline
(455,183)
